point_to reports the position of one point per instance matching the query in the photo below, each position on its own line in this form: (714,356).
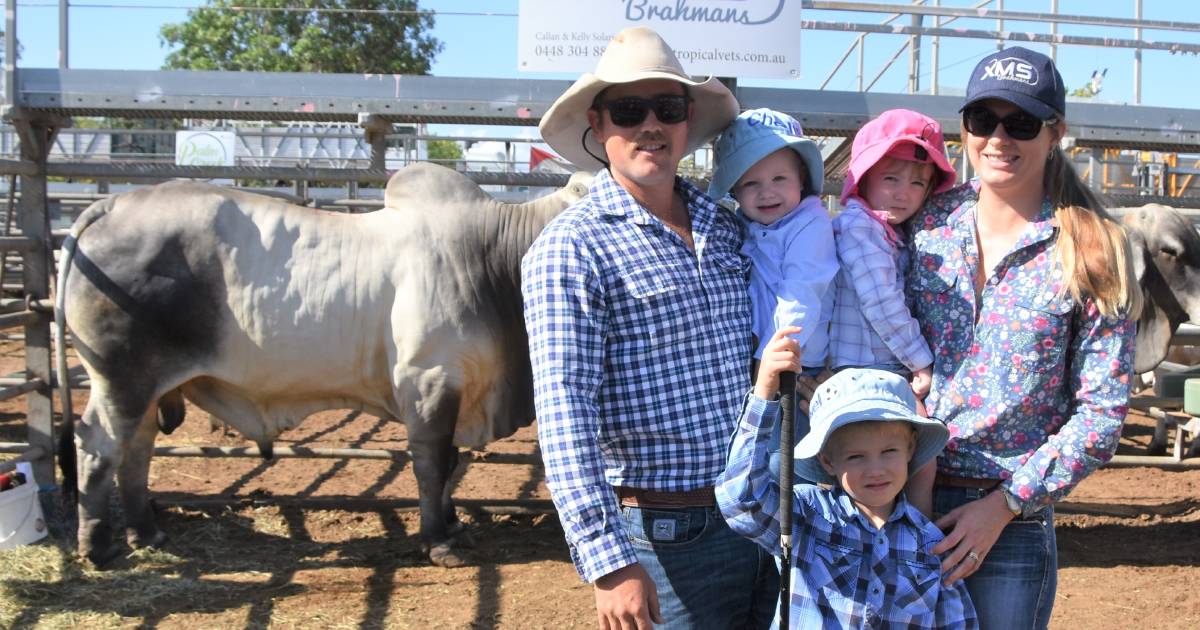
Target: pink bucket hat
(903,134)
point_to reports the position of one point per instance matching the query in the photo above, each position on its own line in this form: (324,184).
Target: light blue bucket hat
(858,395)
(754,135)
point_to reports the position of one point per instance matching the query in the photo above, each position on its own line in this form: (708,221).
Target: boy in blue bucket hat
(776,174)
(860,551)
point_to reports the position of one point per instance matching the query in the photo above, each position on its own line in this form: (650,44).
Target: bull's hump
(418,185)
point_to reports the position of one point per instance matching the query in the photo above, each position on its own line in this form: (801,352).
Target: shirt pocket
(651,311)
(834,569)
(918,583)
(1040,332)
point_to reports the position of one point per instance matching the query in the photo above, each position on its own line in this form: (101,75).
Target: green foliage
(321,40)
(443,151)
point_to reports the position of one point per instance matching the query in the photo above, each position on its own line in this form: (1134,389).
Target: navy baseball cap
(1022,77)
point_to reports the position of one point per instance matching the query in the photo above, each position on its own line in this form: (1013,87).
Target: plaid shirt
(845,572)
(871,323)
(640,351)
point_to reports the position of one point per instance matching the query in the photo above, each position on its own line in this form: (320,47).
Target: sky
(480,39)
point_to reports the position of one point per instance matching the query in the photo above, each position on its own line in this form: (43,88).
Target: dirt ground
(332,543)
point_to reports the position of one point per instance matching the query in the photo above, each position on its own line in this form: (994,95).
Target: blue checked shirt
(640,351)
(871,322)
(845,572)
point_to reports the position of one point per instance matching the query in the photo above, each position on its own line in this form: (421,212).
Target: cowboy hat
(634,54)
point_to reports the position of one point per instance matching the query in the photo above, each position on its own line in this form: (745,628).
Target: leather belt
(637,497)
(965,482)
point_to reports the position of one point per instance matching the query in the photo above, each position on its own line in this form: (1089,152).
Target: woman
(1023,287)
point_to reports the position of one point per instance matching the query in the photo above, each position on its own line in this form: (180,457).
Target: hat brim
(734,165)
(1024,101)
(564,125)
(871,155)
(931,435)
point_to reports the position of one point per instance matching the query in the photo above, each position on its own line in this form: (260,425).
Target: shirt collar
(610,198)
(903,510)
(1043,227)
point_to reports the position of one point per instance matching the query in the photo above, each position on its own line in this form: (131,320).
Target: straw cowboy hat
(633,54)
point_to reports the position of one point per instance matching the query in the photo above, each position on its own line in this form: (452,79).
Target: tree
(354,36)
(446,152)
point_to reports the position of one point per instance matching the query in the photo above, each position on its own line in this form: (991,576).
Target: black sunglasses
(630,111)
(1019,125)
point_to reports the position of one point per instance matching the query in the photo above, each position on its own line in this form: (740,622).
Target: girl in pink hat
(897,161)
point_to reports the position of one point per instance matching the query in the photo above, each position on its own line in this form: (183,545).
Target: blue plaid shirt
(845,572)
(640,349)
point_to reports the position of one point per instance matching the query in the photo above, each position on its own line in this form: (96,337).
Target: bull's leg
(1158,443)
(95,453)
(454,527)
(430,440)
(133,483)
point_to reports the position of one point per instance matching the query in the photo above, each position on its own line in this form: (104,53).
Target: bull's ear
(1137,247)
(1153,338)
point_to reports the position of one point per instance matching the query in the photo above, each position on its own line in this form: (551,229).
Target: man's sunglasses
(1019,125)
(630,111)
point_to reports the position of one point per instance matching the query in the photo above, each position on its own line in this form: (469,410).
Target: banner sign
(204,148)
(727,38)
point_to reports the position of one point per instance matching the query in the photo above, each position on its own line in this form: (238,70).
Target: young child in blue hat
(861,552)
(776,175)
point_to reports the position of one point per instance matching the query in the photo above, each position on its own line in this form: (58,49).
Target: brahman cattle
(262,313)
(1166,258)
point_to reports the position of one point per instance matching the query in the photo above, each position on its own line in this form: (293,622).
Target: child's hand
(782,354)
(921,381)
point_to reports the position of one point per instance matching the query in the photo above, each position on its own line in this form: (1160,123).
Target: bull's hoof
(155,539)
(108,558)
(1156,449)
(447,557)
(461,537)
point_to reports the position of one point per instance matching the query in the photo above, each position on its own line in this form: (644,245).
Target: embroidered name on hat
(787,124)
(1011,69)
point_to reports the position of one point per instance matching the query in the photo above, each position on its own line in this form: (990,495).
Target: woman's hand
(782,354)
(971,529)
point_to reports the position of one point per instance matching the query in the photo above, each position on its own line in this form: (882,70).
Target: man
(639,329)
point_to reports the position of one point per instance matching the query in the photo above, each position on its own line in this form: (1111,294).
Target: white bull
(262,313)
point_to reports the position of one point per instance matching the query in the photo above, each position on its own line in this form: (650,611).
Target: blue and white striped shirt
(845,572)
(640,351)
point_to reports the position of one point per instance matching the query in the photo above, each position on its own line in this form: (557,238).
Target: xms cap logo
(1011,69)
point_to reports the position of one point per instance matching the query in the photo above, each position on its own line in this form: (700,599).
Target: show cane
(787,429)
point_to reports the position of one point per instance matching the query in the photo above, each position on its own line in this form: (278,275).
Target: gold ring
(973,556)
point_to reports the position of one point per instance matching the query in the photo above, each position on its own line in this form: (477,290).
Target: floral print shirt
(1032,384)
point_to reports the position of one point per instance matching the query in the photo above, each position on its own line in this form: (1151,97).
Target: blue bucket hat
(1022,77)
(754,135)
(859,395)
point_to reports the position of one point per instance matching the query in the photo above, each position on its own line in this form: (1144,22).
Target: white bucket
(21,520)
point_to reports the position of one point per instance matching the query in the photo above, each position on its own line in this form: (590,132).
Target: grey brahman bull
(262,313)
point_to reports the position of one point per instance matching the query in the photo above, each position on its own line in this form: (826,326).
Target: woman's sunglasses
(1019,125)
(630,111)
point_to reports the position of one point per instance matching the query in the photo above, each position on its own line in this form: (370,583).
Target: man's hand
(807,385)
(921,380)
(626,599)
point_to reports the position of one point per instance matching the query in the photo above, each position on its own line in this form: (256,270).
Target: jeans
(800,423)
(1015,586)
(707,575)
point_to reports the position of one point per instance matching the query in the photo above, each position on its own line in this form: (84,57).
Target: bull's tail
(66,442)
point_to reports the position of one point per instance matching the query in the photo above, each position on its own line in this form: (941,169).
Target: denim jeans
(800,423)
(707,575)
(1015,586)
